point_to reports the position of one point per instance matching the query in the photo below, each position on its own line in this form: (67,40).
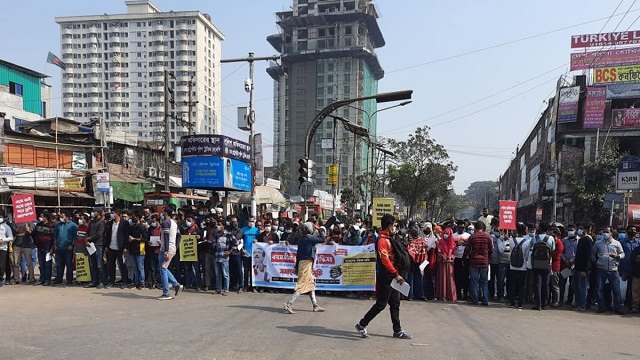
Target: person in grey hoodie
(606,254)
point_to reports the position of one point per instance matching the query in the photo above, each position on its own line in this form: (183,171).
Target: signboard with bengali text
(605,39)
(595,106)
(614,57)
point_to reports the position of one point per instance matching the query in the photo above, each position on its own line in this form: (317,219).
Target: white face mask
(394,229)
(446,236)
(1,220)
(571,233)
(81,222)
(252,224)
(188,223)
(267,229)
(580,232)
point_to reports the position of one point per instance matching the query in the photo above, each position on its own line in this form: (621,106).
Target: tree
(482,194)
(423,169)
(593,180)
(348,199)
(281,172)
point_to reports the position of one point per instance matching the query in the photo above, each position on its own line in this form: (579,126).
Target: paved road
(76,323)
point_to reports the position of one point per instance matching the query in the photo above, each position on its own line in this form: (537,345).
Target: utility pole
(167,138)
(248,87)
(190,104)
(335,162)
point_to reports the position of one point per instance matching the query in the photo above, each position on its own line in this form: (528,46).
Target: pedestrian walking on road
(393,262)
(167,252)
(304,266)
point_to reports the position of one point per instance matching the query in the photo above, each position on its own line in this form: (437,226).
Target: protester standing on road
(6,237)
(167,252)
(569,244)
(43,238)
(607,253)
(477,254)
(445,284)
(304,267)
(392,263)
(518,266)
(249,234)
(583,266)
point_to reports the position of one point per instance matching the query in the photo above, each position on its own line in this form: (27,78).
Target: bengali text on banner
(336,268)
(616,74)
(595,107)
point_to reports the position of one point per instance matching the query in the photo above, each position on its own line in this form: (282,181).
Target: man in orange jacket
(387,271)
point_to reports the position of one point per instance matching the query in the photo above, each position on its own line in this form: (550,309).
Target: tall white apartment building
(115,70)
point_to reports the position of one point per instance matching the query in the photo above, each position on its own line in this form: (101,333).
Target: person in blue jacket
(65,237)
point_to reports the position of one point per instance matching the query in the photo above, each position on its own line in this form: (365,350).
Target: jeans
(235,269)
(384,295)
(461,273)
(97,267)
(64,259)
(166,276)
(415,280)
(564,284)
(517,281)
(554,284)
(541,287)
(222,273)
(192,276)
(4,256)
(479,277)
(45,266)
(152,267)
(20,253)
(139,267)
(614,281)
(497,282)
(581,280)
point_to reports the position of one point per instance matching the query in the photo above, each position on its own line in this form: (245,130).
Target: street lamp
(369,117)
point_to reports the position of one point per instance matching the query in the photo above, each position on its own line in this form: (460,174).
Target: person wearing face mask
(235,259)
(249,235)
(96,236)
(116,237)
(417,249)
(193,278)
(6,237)
(22,244)
(568,258)
(152,250)
(606,254)
(66,233)
(445,282)
(477,252)
(80,246)
(43,238)
(268,236)
(461,270)
(137,250)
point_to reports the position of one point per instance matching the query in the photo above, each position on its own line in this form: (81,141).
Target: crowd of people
(538,265)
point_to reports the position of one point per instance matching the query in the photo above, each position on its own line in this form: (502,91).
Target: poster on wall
(595,105)
(568,104)
(625,118)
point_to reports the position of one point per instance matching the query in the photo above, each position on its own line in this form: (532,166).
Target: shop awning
(264,195)
(54,193)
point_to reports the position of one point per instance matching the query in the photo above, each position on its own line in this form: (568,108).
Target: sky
(480,70)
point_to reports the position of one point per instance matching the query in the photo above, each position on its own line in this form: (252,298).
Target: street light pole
(248,86)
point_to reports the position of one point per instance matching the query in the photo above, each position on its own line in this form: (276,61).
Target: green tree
(423,169)
(348,199)
(482,194)
(281,172)
(593,180)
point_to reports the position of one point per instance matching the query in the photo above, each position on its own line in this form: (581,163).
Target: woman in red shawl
(445,284)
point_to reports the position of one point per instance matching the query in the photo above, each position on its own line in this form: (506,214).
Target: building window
(15,88)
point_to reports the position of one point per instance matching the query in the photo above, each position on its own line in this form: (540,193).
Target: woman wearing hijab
(445,283)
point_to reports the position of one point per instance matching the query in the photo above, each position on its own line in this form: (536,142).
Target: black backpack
(517,256)
(541,255)
(401,258)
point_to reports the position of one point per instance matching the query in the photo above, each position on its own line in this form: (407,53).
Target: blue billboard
(216,172)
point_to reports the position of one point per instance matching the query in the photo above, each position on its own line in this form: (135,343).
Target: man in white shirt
(167,252)
(6,236)
(460,270)
(486,219)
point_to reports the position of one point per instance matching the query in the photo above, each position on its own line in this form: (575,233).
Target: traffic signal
(305,171)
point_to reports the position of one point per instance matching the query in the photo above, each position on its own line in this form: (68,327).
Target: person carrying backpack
(518,266)
(393,264)
(541,249)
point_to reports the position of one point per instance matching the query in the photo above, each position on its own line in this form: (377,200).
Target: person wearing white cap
(304,266)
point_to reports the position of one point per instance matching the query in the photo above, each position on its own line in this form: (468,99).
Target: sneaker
(288,309)
(108,286)
(100,286)
(402,335)
(318,309)
(225,293)
(165,297)
(178,289)
(362,330)
(90,286)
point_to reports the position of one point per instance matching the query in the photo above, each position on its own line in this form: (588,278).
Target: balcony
(67,40)
(182,45)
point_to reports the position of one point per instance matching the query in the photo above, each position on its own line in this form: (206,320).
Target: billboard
(623,91)
(616,74)
(215,172)
(215,145)
(625,118)
(605,39)
(568,104)
(615,57)
(629,173)
(594,107)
